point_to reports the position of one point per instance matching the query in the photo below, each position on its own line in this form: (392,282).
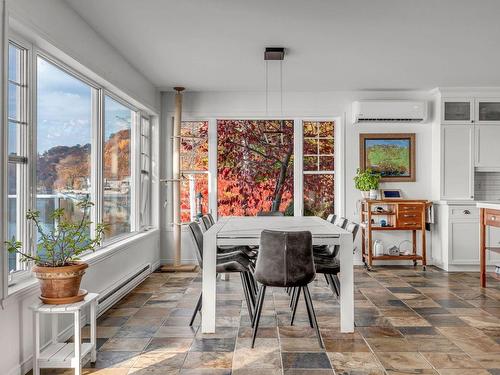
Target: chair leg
(337,283)
(247,295)
(196,309)
(292,298)
(295,303)
(252,292)
(332,284)
(310,307)
(262,294)
(326,278)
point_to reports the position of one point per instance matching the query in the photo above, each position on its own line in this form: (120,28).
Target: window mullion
(96,174)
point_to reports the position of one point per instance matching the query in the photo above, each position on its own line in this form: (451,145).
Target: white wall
(303,104)
(61,28)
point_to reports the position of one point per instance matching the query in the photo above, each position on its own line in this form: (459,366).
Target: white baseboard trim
(183,261)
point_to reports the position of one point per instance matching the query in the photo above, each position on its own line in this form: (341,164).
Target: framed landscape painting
(391,155)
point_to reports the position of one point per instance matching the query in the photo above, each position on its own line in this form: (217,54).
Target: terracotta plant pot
(60,285)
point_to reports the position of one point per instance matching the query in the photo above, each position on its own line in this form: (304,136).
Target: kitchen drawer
(410,215)
(464,212)
(492,218)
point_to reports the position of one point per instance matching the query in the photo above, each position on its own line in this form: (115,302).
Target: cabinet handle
(466,212)
(409,215)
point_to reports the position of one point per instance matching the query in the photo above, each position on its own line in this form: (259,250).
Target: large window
(75,141)
(118,184)
(17,130)
(194,169)
(64,131)
(254,166)
(318,167)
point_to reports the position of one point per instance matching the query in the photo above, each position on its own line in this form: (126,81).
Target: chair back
(197,234)
(331,218)
(210,218)
(285,259)
(205,221)
(350,227)
(270,213)
(341,222)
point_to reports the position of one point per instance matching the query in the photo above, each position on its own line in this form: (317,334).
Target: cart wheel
(424,268)
(414,263)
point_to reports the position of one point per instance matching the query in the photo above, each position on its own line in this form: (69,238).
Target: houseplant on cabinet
(367,182)
(56,260)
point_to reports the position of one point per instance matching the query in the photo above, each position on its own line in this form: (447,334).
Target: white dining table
(237,231)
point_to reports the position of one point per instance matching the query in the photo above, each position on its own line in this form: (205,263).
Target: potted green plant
(57,264)
(367,182)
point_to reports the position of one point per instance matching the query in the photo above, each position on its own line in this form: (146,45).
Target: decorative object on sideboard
(390,155)
(57,264)
(391,194)
(367,182)
(378,247)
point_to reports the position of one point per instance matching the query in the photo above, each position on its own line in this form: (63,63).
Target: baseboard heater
(111,297)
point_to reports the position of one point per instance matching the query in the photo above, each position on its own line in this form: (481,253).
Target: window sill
(29,285)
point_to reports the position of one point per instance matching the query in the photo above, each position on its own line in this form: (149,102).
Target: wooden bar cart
(399,214)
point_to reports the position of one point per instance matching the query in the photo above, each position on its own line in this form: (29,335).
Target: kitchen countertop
(493,205)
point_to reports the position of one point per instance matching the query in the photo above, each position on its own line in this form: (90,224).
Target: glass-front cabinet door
(488,110)
(457,110)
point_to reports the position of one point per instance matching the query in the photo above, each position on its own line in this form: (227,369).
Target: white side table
(60,354)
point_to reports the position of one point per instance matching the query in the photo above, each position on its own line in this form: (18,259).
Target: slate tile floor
(407,322)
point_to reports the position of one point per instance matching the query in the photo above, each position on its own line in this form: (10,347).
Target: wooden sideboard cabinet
(401,214)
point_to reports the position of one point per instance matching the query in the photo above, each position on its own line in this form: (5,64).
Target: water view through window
(117,167)
(64,126)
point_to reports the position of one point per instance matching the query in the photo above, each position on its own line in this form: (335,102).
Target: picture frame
(391,194)
(390,154)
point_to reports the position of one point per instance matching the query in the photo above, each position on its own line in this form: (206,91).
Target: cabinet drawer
(408,207)
(464,212)
(492,218)
(414,223)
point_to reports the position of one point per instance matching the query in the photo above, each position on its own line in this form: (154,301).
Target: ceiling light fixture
(274,54)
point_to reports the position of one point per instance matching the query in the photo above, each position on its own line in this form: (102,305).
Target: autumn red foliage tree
(255,166)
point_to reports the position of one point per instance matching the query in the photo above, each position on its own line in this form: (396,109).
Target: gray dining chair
(285,260)
(226,263)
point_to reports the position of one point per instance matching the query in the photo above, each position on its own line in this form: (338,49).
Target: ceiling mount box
(389,111)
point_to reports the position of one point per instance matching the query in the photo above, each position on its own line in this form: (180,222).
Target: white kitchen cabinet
(487,111)
(464,241)
(486,146)
(457,111)
(457,161)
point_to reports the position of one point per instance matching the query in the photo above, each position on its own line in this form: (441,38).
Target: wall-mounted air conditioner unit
(389,111)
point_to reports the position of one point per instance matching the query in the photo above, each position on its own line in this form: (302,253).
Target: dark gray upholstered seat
(226,263)
(270,213)
(285,260)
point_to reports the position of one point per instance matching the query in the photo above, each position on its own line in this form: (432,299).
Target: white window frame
(23,175)
(134,167)
(298,184)
(28,185)
(204,172)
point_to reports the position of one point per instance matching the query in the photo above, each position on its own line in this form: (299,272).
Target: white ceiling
(331,44)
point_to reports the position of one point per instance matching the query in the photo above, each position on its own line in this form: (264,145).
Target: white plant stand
(59,354)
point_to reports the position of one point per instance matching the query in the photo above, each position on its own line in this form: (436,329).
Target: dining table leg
(209,281)
(346,283)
